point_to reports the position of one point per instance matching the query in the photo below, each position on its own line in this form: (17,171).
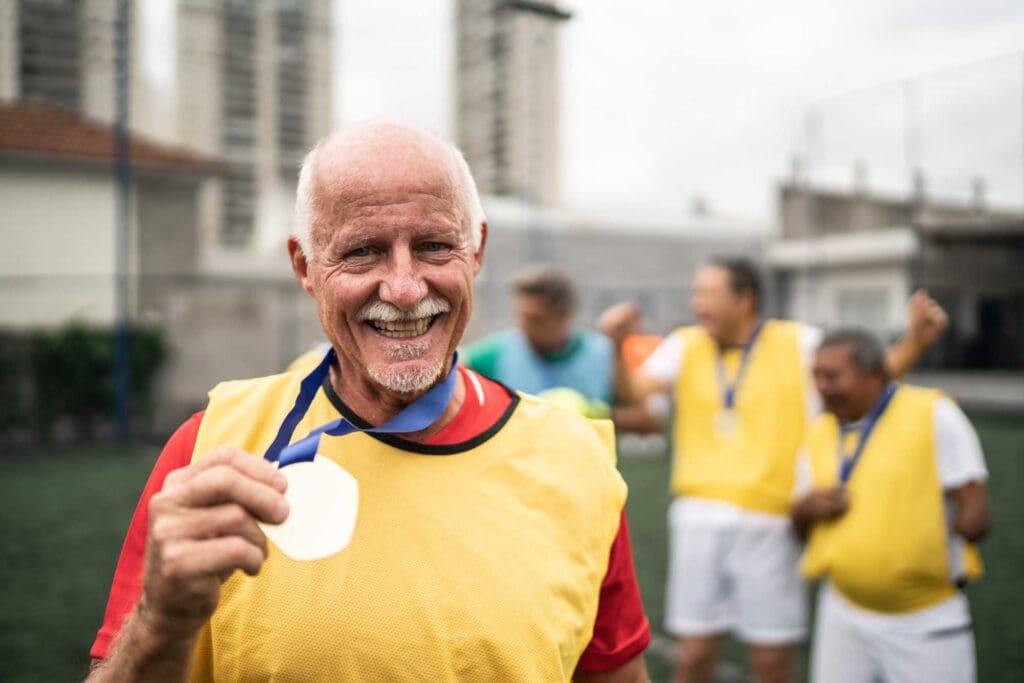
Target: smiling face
(846,390)
(393,261)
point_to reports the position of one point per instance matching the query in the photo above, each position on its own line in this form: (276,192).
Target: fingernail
(281,509)
(280,482)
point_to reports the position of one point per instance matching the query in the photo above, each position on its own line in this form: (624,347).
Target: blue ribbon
(848,463)
(416,416)
(729,397)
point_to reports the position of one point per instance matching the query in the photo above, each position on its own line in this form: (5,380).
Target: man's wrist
(148,648)
(800,514)
(160,632)
(914,341)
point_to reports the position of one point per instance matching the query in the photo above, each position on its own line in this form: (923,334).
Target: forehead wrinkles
(391,215)
(343,188)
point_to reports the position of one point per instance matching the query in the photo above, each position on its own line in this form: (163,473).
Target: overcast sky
(665,100)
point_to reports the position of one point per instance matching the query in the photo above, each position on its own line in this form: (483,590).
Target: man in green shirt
(547,353)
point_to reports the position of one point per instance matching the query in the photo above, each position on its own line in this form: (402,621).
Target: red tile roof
(42,130)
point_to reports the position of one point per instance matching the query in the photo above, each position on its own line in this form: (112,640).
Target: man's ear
(299,264)
(478,258)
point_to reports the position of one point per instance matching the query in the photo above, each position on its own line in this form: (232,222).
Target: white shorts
(856,646)
(733,570)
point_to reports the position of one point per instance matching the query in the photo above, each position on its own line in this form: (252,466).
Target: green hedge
(14,391)
(68,372)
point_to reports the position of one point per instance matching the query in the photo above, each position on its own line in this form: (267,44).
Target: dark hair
(549,282)
(866,352)
(743,276)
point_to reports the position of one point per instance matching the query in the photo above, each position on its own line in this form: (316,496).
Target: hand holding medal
(203,527)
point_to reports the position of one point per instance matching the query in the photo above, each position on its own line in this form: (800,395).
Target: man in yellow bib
(422,523)
(742,402)
(897,496)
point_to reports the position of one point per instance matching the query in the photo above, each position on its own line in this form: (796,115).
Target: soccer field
(63,515)
(997,601)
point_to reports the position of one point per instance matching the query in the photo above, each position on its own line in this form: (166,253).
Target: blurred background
(148,159)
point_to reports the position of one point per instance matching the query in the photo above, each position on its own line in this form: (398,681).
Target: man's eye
(361,252)
(434,246)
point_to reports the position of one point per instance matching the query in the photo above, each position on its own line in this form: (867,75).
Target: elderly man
(742,392)
(895,494)
(424,522)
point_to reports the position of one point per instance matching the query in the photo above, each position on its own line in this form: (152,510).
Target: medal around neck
(324,500)
(727,422)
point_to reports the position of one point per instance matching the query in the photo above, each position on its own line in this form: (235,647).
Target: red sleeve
(621,631)
(124,591)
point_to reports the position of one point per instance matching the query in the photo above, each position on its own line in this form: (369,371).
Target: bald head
(377,159)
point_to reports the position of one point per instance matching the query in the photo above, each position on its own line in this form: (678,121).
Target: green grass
(62,519)
(63,516)
(997,601)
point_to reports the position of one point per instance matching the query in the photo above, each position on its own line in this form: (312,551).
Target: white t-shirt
(959,461)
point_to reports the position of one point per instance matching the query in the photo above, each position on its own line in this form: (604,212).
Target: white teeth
(401,329)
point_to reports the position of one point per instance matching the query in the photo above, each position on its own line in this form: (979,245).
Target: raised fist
(619,321)
(926,321)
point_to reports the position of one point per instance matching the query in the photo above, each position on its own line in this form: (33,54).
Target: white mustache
(382,311)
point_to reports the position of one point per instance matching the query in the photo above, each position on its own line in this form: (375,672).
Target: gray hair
(866,352)
(466,193)
(549,282)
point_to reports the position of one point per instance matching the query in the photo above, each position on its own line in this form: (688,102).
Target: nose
(402,285)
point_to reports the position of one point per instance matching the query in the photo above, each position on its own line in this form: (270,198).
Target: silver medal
(727,422)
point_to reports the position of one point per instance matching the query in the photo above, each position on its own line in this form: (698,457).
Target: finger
(210,522)
(212,557)
(919,304)
(936,313)
(832,498)
(224,484)
(253,467)
(821,502)
(835,512)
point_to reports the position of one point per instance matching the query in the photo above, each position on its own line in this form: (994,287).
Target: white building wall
(57,228)
(507,99)
(270,225)
(869,295)
(8,49)
(321,90)
(98,60)
(155,89)
(198,77)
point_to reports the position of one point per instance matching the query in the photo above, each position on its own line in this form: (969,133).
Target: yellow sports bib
(745,456)
(888,553)
(483,564)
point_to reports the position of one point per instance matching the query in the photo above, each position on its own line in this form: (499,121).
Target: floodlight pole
(122,165)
